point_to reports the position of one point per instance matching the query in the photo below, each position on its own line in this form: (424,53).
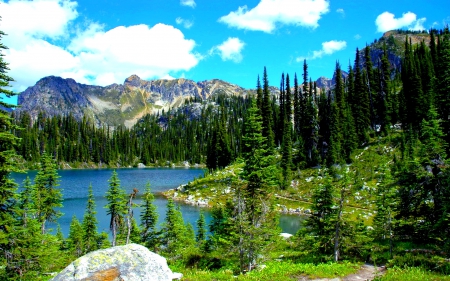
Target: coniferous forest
(398,115)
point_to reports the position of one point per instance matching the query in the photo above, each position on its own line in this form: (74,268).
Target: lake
(75,184)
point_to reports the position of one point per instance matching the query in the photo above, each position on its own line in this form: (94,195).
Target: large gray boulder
(131,262)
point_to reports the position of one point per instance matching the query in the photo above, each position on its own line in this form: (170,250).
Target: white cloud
(147,52)
(230,49)
(328,48)
(357,37)
(189,3)
(186,23)
(94,56)
(387,21)
(268,13)
(340,11)
(25,20)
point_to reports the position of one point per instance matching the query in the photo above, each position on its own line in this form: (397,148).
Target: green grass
(411,274)
(277,271)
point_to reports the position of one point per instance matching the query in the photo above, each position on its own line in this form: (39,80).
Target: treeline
(178,135)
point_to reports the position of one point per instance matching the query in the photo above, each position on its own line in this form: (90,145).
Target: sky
(103,42)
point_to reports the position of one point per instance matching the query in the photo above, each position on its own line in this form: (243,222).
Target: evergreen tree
(286,146)
(320,226)
(361,112)
(8,162)
(89,225)
(149,218)
(47,197)
(75,239)
(259,222)
(116,206)
(266,114)
(175,233)
(201,229)
(443,82)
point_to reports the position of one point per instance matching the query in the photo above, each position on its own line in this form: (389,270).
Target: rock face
(131,262)
(115,104)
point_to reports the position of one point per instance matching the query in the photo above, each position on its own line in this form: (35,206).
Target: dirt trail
(367,272)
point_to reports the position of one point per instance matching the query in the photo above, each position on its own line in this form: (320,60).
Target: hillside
(115,104)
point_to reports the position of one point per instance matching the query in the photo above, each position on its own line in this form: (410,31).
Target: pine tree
(443,82)
(75,239)
(259,174)
(116,206)
(149,218)
(361,113)
(320,226)
(47,197)
(286,146)
(89,225)
(201,229)
(8,163)
(266,114)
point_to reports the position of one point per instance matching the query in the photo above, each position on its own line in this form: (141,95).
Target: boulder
(131,262)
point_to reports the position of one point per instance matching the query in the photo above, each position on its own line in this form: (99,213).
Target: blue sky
(102,42)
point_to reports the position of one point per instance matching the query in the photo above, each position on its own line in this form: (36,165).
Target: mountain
(115,104)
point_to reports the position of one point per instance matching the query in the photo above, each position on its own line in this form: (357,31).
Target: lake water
(75,184)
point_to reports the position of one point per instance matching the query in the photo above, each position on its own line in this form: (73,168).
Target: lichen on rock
(131,262)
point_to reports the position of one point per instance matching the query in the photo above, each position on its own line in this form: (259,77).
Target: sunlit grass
(411,274)
(277,271)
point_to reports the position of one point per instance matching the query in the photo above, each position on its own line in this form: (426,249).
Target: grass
(277,271)
(411,274)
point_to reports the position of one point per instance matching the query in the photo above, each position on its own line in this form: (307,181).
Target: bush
(426,261)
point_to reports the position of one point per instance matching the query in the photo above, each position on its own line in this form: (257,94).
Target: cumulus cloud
(184,22)
(270,13)
(340,11)
(189,3)
(387,21)
(230,49)
(113,55)
(93,55)
(328,48)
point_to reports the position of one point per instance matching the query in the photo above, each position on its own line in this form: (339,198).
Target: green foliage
(116,206)
(201,229)
(149,218)
(89,225)
(177,239)
(47,197)
(411,274)
(75,239)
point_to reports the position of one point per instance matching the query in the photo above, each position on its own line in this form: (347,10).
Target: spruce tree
(266,114)
(75,239)
(47,197)
(320,226)
(361,113)
(201,229)
(149,218)
(89,225)
(257,216)
(8,162)
(116,206)
(443,82)
(286,145)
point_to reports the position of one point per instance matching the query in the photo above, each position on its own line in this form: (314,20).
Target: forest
(275,140)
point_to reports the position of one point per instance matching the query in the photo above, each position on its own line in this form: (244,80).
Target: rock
(285,235)
(131,262)
(141,165)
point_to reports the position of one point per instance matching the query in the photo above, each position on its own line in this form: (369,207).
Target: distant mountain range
(117,104)
(125,104)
